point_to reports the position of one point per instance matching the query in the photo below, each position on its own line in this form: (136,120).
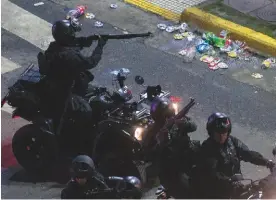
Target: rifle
(119,37)
(160,136)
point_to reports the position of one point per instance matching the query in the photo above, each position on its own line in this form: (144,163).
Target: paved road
(26,30)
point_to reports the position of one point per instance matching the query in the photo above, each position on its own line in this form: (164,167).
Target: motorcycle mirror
(237,177)
(274,151)
(139,80)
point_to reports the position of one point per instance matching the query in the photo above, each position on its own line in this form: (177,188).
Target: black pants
(177,184)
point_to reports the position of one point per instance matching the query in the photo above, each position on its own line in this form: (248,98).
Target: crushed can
(223,34)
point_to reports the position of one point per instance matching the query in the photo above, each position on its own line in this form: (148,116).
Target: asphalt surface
(252,109)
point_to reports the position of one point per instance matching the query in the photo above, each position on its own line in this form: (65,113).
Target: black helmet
(64,31)
(218,122)
(161,108)
(83,167)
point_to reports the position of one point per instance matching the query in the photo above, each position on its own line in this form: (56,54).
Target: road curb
(146,5)
(209,22)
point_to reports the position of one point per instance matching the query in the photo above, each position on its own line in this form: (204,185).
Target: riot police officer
(66,69)
(175,160)
(87,183)
(221,155)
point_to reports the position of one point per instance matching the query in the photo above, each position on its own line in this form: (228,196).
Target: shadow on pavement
(59,174)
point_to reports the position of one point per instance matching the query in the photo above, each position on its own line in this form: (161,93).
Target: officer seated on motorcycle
(87,183)
(177,157)
(220,157)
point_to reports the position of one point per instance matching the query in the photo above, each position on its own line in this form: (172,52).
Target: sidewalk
(262,9)
(169,9)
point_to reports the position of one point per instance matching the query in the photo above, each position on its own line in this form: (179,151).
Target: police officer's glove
(102,41)
(270,165)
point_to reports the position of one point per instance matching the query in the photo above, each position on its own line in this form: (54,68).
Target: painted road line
(7,65)
(7,108)
(26,25)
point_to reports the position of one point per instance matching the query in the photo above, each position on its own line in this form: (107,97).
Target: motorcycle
(264,188)
(118,148)
(38,145)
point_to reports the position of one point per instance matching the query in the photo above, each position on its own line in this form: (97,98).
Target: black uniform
(96,186)
(219,163)
(66,72)
(67,63)
(178,158)
(75,191)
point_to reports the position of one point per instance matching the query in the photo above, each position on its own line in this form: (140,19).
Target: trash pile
(213,50)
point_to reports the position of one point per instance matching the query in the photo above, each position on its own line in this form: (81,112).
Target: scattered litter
(223,34)
(191,37)
(239,45)
(89,15)
(186,34)
(115,27)
(232,54)
(39,4)
(226,49)
(98,24)
(183,52)
(207,59)
(212,39)
(214,64)
(76,13)
(257,75)
(189,54)
(125,32)
(182,28)
(223,65)
(162,26)
(203,47)
(256,92)
(170,29)
(178,36)
(268,63)
(215,67)
(114,6)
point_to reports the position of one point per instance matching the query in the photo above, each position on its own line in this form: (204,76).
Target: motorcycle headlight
(138,134)
(175,107)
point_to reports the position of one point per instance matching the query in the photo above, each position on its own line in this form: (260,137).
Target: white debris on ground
(113,6)
(89,15)
(39,4)
(98,24)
